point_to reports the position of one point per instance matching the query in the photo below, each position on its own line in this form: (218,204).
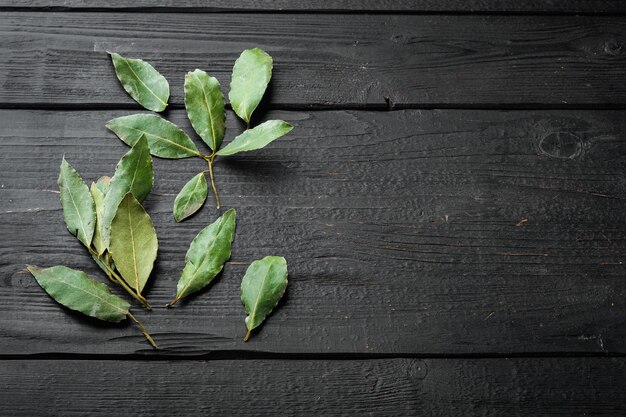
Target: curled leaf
(133,243)
(191,197)
(78,206)
(142,82)
(75,290)
(206,256)
(165,139)
(262,287)
(257,137)
(98,199)
(251,74)
(204,102)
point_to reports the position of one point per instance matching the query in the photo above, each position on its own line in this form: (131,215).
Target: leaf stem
(210,162)
(143,330)
(245,339)
(171,303)
(113,276)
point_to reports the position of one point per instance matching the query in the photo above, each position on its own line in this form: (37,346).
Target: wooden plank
(414,6)
(324,60)
(449,231)
(387,387)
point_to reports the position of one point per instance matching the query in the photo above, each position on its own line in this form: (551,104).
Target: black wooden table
(450,202)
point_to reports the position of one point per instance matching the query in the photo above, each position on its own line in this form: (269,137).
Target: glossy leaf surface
(78,206)
(251,74)
(165,139)
(257,137)
(75,290)
(191,197)
(142,82)
(262,287)
(204,102)
(134,174)
(133,243)
(206,256)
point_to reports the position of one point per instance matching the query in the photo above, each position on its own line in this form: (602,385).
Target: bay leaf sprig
(204,103)
(127,243)
(89,213)
(76,291)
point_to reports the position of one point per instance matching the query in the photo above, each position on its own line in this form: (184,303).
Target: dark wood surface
(348,6)
(506,229)
(388,387)
(450,202)
(322,60)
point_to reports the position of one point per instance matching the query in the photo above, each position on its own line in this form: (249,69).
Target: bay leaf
(142,82)
(191,197)
(262,287)
(98,199)
(257,138)
(103,184)
(133,245)
(134,174)
(206,255)
(165,139)
(75,290)
(204,102)
(78,206)
(251,74)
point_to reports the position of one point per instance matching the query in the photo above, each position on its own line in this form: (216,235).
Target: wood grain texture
(449,231)
(323,60)
(390,387)
(415,6)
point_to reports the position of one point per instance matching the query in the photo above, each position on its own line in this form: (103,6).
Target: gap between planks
(375,107)
(259,355)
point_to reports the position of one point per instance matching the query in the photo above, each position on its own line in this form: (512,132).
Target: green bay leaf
(165,139)
(257,138)
(78,206)
(75,290)
(206,255)
(251,74)
(204,102)
(133,244)
(134,174)
(191,197)
(142,82)
(262,287)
